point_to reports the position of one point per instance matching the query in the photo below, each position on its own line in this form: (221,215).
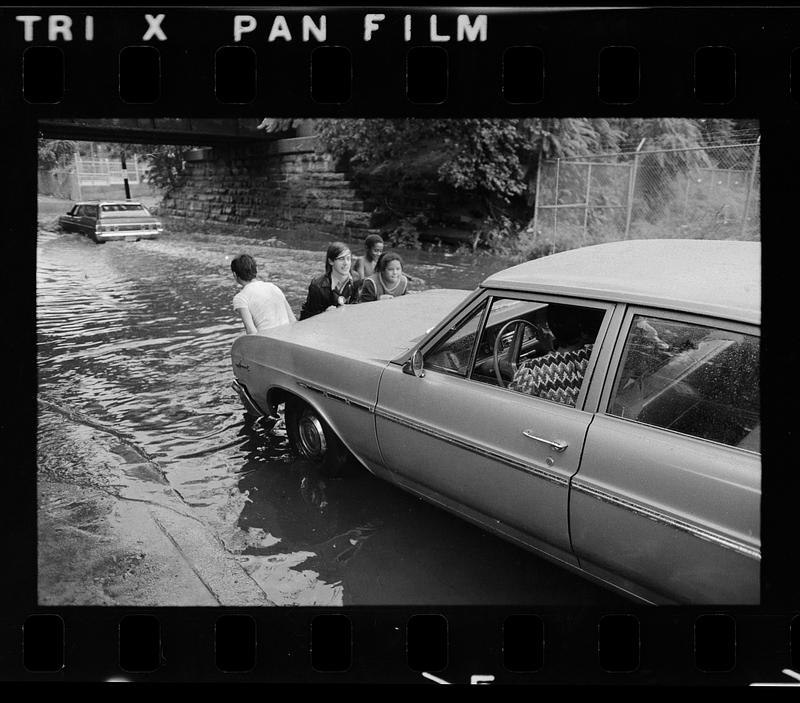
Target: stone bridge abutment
(285,184)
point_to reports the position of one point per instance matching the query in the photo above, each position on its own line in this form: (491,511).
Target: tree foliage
(492,158)
(494,162)
(55,152)
(165,164)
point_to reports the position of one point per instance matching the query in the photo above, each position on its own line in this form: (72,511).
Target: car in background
(105,221)
(600,407)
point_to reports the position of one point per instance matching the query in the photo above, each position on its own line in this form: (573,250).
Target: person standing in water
(260,304)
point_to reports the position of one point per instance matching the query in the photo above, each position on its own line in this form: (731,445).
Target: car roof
(108,202)
(709,277)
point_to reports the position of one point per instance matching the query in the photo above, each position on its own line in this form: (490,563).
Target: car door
(497,456)
(667,499)
(80,220)
(68,220)
(89,219)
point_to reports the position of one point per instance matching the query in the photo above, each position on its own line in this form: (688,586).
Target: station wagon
(111,220)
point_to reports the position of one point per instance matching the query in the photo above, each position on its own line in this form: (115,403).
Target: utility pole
(125,175)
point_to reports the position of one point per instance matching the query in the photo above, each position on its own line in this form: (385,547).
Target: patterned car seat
(555,376)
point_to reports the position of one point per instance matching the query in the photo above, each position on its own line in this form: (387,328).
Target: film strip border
(434,62)
(475,646)
(670,61)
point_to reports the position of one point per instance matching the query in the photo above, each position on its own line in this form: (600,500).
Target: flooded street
(134,339)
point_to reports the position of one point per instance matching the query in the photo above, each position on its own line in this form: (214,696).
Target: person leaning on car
(336,287)
(260,304)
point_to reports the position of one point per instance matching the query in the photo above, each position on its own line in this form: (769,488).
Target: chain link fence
(98,172)
(711,192)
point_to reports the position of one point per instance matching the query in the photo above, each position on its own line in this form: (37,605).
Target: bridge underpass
(240,171)
(173,131)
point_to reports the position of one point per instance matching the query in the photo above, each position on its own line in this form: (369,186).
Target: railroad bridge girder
(178,131)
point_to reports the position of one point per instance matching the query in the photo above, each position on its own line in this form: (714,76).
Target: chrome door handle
(558,446)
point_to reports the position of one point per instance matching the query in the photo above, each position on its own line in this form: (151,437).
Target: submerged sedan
(111,220)
(599,407)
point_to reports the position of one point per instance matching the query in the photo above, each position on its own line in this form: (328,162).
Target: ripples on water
(136,336)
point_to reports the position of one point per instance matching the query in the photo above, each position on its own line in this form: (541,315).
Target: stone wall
(283,184)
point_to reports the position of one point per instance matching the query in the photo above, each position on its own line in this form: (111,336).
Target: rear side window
(122,207)
(693,379)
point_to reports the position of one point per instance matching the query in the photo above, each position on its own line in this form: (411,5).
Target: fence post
(631,188)
(686,198)
(555,209)
(586,206)
(536,195)
(750,185)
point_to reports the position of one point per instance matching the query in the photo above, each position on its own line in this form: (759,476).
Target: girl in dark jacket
(336,287)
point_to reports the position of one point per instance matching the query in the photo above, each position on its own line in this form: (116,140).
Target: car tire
(313,439)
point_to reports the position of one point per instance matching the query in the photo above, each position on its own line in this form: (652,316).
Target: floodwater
(134,337)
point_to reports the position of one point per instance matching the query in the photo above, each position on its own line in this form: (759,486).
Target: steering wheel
(514,348)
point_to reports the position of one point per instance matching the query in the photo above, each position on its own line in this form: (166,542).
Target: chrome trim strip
(461,444)
(670,521)
(336,396)
(244,396)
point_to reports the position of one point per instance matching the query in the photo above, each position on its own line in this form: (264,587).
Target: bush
(406,232)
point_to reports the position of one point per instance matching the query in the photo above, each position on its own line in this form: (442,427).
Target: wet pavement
(133,354)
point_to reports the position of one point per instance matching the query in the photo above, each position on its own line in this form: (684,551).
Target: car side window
(690,378)
(537,348)
(452,353)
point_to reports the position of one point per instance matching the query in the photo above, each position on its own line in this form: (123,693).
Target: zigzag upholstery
(555,376)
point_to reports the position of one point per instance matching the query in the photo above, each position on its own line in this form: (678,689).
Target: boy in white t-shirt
(260,304)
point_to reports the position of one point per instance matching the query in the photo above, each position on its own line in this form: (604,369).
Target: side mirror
(414,365)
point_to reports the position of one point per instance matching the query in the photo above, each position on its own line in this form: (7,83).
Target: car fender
(272,371)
